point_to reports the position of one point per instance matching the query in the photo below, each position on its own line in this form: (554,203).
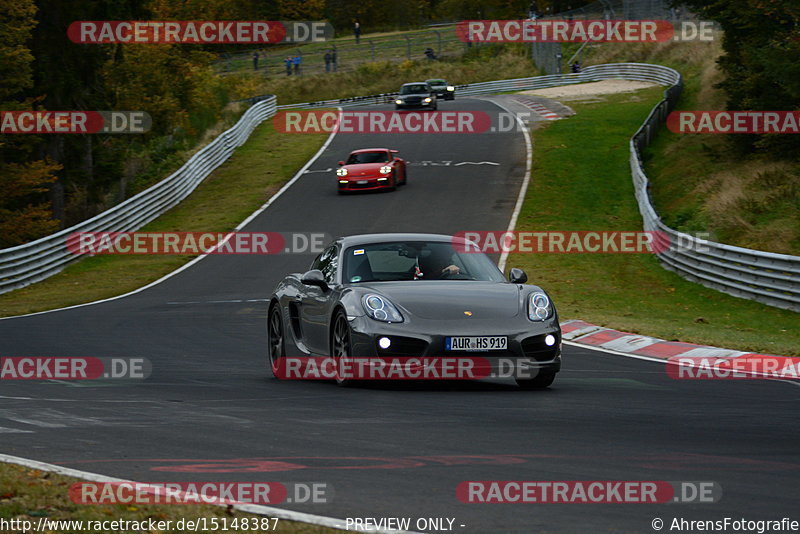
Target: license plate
(476,343)
(362,182)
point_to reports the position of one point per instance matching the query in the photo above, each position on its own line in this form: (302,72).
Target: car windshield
(380,156)
(437,82)
(415,89)
(416,260)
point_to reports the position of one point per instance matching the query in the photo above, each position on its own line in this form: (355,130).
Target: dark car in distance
(413,295)
(442,89)
(415,95)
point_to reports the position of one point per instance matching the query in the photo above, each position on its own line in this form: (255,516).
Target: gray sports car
(414,296)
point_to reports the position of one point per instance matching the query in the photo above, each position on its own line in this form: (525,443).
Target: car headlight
(451,88)
(380,309)
(427,100)
(539,307)
(386,169)
(341,172)
(398,101)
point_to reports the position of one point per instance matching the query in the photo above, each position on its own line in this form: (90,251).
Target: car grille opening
(403,346)
(535,348)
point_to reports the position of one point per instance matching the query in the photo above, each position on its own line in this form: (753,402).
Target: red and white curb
(544,112)
(625,343)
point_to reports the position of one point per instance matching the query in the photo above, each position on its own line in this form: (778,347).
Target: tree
(761,63)
(24,211)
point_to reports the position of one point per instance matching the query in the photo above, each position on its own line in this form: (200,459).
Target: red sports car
(371,168)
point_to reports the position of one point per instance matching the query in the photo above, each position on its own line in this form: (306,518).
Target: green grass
(700,183)
(581,181)
(30,494)
(255,171)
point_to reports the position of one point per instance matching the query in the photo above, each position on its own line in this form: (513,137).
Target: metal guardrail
(766,277)
(770,278)
(25,264)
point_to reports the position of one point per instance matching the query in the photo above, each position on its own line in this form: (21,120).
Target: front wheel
(541,381)
(341,345)
(275,341)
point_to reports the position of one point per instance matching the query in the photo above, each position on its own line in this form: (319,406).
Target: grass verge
(701,183)
(581,181)
(30,495)
(253,174)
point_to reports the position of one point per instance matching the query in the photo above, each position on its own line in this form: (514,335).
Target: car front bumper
(365,183)
(526,355)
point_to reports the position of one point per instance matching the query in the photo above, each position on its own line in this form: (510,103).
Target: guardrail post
(439,42)
(408,46)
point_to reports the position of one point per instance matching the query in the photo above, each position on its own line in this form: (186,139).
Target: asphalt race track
(209,411)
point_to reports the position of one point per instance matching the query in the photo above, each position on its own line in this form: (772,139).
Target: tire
(434,107)
(405,177)
(540,381)
(394,181)
(341,344)
(276,343)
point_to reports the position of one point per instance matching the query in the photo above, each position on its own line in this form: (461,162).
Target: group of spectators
(293,62)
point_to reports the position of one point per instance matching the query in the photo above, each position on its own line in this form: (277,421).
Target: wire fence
(343,55)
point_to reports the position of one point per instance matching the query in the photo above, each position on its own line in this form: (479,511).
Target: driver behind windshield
(438,265)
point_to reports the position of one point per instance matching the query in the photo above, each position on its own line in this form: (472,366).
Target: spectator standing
(328,61)
(296,62)
(333,60)
(255,60)
(288,61)
(357,30)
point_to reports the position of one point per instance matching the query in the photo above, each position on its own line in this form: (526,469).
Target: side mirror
(341,163)
(314,277)
(516,276)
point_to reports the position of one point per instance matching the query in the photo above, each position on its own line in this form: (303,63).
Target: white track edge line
(200,257)
(523,190)
(280,513)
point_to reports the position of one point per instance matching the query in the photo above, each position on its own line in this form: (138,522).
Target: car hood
(363,169)
(450,299)
(413,95)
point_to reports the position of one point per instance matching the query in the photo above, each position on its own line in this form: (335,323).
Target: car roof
(436,80)
(415,83)
(369,150)
(366,239)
